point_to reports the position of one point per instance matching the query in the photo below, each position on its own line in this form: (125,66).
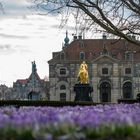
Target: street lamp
(120,79)
(138,80)
(132,56)
(138,75)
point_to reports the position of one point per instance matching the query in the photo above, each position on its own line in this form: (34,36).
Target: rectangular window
(62,96)
(127,70)
(105,71)
(62,71)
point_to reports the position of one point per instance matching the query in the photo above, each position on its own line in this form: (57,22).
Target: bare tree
(117,17)
(1,8)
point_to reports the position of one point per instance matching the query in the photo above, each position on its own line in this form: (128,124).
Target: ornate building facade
(113,67)
(32,88)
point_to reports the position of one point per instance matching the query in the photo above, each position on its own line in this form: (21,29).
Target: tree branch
(112,29)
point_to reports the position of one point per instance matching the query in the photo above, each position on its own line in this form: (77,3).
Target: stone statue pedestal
(83,92)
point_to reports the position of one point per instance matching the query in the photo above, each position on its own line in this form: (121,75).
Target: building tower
(66,40)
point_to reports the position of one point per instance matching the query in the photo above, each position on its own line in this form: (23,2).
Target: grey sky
(26,36)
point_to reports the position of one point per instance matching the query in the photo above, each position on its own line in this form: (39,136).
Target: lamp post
(120,80)
(132,54)
(138,75)
(138,80)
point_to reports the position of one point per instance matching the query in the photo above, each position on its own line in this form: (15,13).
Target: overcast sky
(26,36)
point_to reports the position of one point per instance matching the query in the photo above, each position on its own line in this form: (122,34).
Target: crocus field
(100,122)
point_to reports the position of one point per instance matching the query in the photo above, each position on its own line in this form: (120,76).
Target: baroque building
(32,88)
(113,67)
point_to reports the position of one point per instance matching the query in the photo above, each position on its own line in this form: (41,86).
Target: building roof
(24,81)
(94,47)
(33,74)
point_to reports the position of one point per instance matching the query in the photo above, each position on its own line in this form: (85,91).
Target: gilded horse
(83,73)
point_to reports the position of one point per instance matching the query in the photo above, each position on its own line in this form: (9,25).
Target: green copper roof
(66,39)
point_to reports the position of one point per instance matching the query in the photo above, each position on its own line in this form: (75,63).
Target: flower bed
(111,122)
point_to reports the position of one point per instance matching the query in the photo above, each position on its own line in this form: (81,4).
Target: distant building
(5,92)
(32,88)
(113,66)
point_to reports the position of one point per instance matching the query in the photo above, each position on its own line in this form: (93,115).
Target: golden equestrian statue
(83,73)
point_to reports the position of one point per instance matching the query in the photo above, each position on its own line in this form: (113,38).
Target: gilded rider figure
(83,89)
(83,73)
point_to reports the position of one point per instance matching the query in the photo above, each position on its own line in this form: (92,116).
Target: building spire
(34,67)
(66,40)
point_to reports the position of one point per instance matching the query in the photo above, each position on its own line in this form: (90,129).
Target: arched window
(127,90)
(82,55)
(105,92)
(62,87)
(62,96)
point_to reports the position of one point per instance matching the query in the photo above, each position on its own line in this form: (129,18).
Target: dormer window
(127,70)
(105,51)
(81,44)
(62,56)
(82,55)
(127,56)
(105,71)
